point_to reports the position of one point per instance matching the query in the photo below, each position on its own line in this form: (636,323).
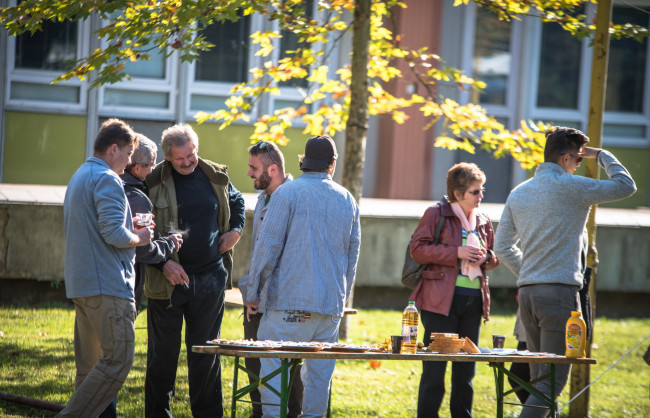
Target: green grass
(37,361)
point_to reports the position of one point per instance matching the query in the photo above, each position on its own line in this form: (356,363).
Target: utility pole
(580,374)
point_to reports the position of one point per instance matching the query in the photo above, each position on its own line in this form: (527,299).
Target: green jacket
(165,208)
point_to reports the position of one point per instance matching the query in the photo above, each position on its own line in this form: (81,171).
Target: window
(492,57)
(290,42)
(627,65)
(227,61)
(54,49)
(559,69)
(35,60)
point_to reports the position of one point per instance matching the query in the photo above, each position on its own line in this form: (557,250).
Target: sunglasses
(264,147)
(578,157)
(477,191)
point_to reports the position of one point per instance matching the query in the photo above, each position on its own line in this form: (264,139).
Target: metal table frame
(497,362)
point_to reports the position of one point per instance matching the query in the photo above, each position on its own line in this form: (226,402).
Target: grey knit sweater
(546,216)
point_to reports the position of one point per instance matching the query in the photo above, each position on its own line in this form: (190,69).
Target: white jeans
(316,374)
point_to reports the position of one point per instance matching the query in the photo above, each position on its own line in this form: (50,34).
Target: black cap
(319,153)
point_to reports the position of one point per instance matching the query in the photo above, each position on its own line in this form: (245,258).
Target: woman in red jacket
(453,294)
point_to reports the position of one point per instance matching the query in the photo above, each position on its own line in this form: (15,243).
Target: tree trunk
(580,375)
(357,124)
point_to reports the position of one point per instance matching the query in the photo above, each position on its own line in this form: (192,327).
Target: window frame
(45,77)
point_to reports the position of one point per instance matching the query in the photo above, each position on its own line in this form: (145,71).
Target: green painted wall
(230,147)
(42,148)
(48,149)
(637,162)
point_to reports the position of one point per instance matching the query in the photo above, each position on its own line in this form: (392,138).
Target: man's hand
(177,239)
(175,273)
(251,309)
(141,236)
(228,240)
(590,152)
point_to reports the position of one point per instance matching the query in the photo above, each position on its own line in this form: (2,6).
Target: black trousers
(521,370)
(253,364)
(201,306)
(465,320)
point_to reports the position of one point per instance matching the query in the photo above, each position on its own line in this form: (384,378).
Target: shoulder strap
(436,236)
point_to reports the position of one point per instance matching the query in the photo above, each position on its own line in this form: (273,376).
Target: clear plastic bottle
(575,336)
(410,319)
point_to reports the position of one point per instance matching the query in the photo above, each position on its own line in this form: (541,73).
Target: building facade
(534,71)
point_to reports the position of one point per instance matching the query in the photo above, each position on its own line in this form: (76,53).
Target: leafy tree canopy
(135,28)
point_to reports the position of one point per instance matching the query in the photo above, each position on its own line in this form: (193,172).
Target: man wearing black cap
(302,276)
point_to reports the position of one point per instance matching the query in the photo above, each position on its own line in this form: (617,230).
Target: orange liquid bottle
(575,336)
(410,329)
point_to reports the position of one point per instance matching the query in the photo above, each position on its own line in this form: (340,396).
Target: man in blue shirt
(192,196)
(302,276)
(99,275)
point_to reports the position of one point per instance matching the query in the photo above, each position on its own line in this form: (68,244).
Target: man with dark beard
(266,168)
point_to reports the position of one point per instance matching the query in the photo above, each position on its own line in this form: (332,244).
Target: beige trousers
(104,346)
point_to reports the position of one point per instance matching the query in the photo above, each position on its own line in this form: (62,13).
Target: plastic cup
(396,343)
(145,218)
(498,341)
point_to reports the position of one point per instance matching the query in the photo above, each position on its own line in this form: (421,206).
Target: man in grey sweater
(546,216)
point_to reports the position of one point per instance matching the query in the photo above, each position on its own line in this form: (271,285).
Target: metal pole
(580,374)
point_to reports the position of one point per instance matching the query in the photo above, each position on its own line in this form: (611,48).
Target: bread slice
(470,347)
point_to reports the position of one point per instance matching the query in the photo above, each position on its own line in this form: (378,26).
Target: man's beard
(263,182)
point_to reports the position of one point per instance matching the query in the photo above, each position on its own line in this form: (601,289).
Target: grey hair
(145,153)
(178,136)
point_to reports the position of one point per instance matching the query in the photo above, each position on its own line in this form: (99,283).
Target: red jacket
(435,291)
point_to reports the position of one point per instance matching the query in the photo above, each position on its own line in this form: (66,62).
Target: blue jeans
(464,319)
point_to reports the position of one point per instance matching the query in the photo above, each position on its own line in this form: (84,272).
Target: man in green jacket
(208,211)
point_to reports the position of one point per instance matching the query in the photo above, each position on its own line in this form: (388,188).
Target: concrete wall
(32,244)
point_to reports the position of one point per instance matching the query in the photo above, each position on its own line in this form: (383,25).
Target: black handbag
(412,271)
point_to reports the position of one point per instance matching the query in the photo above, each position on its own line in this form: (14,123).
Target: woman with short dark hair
(453,293)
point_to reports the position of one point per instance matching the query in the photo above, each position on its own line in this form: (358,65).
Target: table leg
(498,379)
(284,388)
(553,404)
(233,406)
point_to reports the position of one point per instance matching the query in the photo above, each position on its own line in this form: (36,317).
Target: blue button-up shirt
(307,252)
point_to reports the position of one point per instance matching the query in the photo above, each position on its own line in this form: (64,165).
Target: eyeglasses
(477,191)
(264,146)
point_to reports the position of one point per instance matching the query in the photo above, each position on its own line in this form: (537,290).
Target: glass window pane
(132,98)
(289,42)
(153,68)
(492,56)
(53,48)
(207,103)
(612,130)
(44,92)
(559,69)
(627,64)
(228,60)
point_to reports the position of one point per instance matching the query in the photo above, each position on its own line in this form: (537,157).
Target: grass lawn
(37,361)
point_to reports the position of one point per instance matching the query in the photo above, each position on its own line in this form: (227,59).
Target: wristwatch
(488,257)
(238,229)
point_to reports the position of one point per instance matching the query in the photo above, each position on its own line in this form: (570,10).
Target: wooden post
(580,374)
